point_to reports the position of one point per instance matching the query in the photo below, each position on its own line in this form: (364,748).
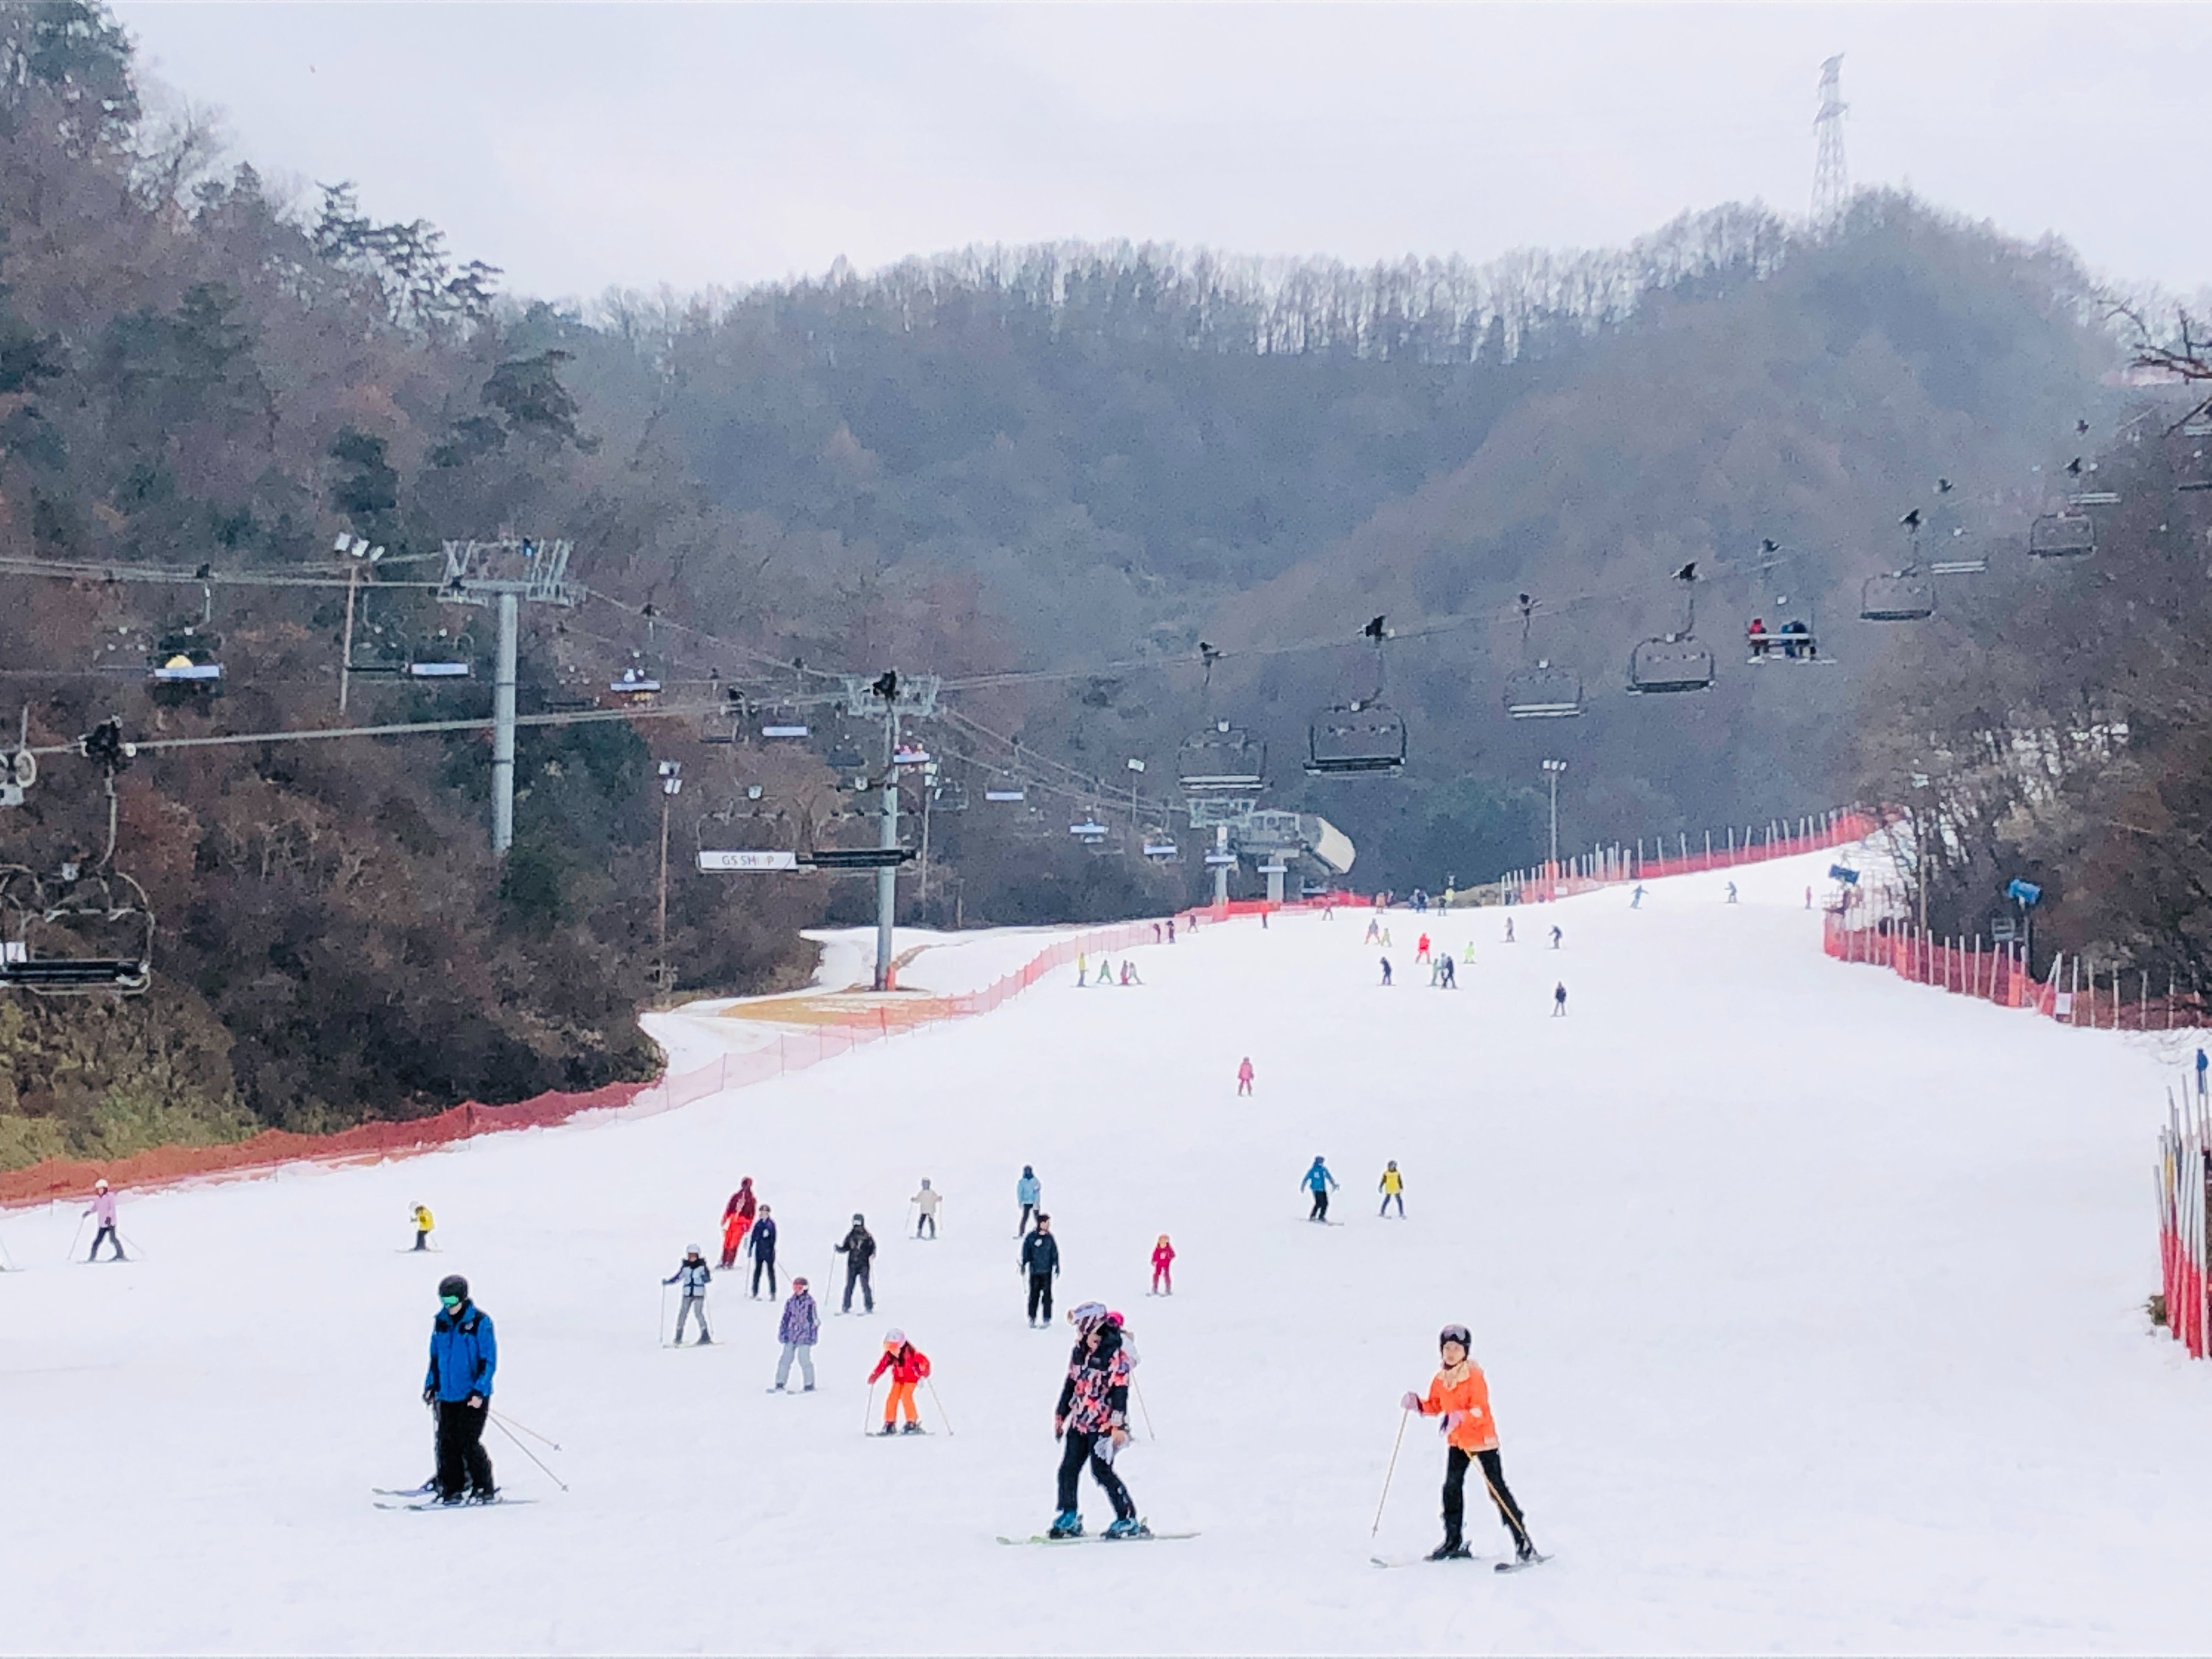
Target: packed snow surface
(1811,1304)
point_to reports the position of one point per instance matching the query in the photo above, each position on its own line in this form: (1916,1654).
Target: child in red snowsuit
(1163,1267)
(737,1219)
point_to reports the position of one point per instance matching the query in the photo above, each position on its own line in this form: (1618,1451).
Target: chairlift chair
(1160,847)
(1674,663)
(1005,791)
(2061,535)
(1900,595)
(1543,693)
(378,654)
(449,658)
(1355,739)
(83,933)
(637,682)
(1222,760)
(846,757)
(784,722)
(950,795)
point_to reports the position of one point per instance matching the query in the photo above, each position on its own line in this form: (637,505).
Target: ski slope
(1811,1302)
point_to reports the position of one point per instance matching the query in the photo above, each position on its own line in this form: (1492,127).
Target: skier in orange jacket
(907,1365)
(1460,1394)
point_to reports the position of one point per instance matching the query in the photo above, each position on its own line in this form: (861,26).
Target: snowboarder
(1317,1181)
(1555,937)
(1163,1267)
(1041,1261)
(464,1354)
(1559,999)
(693,1273)
(1386,970)
(102,1210)
(907,1365)
(1636,898)
(1509,929)
(1091,1422)
(737,1216)
(799,1330)
(924,1204)
(1129,972)
(1461,1395)
(1027,1191)
(1392,1186)
(1731,892)
(1244,1076)
(760,1244)
(859,1250)
(423,1222)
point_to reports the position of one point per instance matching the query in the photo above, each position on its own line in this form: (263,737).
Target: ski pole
(70,1254)
(7,1261)
(1136,1388)
(660,1331)
(868,1405)
(939,1404)
(527,1430)
(527,1452)
(1388,1473)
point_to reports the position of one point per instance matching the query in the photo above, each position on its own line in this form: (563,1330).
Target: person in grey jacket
(693,1273)
(798,1330)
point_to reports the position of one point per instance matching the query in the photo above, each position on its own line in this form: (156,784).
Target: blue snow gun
(1844,874)
(2023,893)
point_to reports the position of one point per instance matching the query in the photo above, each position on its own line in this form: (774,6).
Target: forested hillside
(1046,473)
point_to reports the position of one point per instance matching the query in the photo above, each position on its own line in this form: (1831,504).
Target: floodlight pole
(502,727)
(345,662)
(887,836)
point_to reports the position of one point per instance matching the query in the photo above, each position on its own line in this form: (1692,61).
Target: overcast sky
(579,147)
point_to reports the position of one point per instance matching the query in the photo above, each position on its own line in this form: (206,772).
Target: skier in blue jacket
(1027,1192)
(464,1354)
(1318,1181)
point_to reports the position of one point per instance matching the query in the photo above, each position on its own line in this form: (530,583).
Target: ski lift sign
(713,861)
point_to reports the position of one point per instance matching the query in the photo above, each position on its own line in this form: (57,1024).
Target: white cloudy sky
(581,146)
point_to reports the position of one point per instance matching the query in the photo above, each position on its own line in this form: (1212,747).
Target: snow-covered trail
(1811,1302)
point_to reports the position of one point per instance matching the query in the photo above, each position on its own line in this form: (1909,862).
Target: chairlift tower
(889,697)
(504,573)
(1832,177)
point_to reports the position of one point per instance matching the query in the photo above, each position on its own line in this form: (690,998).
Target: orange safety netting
(1562,880)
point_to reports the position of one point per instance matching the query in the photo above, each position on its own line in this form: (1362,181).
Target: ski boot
(1450,1550)
(704,1342)
(1066,1524)
(886,1429)
(1128,1527)
(912,1428)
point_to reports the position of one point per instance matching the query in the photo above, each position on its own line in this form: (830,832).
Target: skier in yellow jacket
(1460,1394)
(1392,1187)
(423,1223)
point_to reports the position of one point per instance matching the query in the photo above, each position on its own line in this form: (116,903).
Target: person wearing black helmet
(859,1250)
(1460,1394)
(464,1354)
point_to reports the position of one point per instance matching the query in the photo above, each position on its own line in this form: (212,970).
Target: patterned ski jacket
(802,1320)
(1095,1399)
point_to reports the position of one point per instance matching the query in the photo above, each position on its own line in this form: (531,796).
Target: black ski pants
(924,1220)
(764,1264)
(462,1463)
(1022,1227)
(1321,1204)
(856,1273)
(422,1239)
(1078,1449)
(1041,1296)
(110,1236)
(1493,1475)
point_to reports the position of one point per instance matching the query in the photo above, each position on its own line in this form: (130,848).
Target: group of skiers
(1318,1182)
(1105,975)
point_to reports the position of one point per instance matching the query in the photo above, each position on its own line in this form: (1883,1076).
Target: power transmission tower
(1832,177)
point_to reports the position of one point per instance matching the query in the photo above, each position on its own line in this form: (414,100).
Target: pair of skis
(1507,1564)
(424,1497)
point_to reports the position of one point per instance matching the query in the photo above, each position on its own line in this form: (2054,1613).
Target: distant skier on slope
(859,1248)
(1555,938)
(1244,1076)
(1559,999)
(1392,1186)
(737,1216)
(799,1330)
(1129,972)
(1039,1262)
(760,1244)
(1027,1192)
(102,1210)
(1421,951)
(1386,970)
(907,1365)
(1447,972)
(463,1355)
(1091,1422)
(1163,1257)
(1460,1394)
(424,1223)
(1082,969)
(1374,931)
(693,1273)
(1509,930)
(1636,899)
(1317,1181)
(924,1204)
(1731,892)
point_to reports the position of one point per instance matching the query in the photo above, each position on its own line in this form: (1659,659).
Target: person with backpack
(799,1330)
(463,1355)
(1041,1261)
(1091,1422)
(1393,1186)
(760,1244)
(859,1248)
(693,1273)
(1460,1394)
(1027,1191)
(907,1365)
(1163,1257)
(1317,1181)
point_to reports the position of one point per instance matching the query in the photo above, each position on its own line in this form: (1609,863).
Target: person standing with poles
(1317,1181)
(1092,1423)
(859,1250)
(799,1330)
(907,1365)
(102,1210)
(1028,1191)
(760,1244)
(1040,1261)
(693,1273)
(924,1204)
(464,1354)
(424,1222)
(1460,1394)
(1559,999)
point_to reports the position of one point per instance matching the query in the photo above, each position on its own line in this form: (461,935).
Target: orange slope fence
(2185,1241)
(1731,848)
(837,1032)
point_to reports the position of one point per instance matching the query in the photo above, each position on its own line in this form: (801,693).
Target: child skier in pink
(1244,1077)
(1163,1267)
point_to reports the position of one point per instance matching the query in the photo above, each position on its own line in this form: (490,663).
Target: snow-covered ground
(1811,1302)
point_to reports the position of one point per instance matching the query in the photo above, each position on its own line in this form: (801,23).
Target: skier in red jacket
(1163,1267)
(907,1365)
(737,1219)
